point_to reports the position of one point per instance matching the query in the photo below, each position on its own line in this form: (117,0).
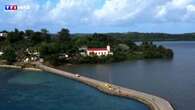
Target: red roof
(97,49)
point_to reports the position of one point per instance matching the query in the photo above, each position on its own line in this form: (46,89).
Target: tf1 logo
(11,7)
(16,7)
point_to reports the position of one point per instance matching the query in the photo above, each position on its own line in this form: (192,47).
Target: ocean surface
(173,79)
(25,90)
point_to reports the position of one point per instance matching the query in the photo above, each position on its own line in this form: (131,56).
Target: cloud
(71,11)
(190,15)
(26,16)
(191,8)
(62,13)
(92,14)
(31,13)
(174,10)
(115,11)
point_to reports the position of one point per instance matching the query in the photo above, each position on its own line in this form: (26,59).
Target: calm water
(22,90)
(173,80)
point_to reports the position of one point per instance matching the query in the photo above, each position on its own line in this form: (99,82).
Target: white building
(3,34)
(26,60)
(99,51)
(33,55)
(33,52)
(1,53)
(83,50)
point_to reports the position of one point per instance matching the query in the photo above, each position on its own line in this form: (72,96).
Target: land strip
(20,67)
(153,102)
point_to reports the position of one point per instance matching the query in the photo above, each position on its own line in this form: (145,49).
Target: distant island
(24,47)
(137,36)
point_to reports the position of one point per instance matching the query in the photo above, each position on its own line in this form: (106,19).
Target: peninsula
(22,47)
(153,102)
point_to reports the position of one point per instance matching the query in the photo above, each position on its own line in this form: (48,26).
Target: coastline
(19,67)
(153,102)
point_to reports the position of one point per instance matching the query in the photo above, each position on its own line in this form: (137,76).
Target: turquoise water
(173,79)
(24,90)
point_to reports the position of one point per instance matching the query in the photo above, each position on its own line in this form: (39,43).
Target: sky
(89,16)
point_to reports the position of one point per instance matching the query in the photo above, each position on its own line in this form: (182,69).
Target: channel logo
(16,7)
(11,7)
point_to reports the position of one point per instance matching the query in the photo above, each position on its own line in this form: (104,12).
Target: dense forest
(51,46)
(135,36)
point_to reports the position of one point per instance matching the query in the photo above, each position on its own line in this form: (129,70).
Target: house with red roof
(99,51)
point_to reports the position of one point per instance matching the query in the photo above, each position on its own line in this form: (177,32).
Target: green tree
(54,59)
(15,36)
(46,37)
(64,35)
(47,49)
(9,55)
(36,38)
(29,32)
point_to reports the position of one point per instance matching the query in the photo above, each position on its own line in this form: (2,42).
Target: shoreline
(153,102)
(19,67)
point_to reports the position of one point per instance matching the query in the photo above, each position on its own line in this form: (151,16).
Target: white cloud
(161,11)
(26,15)
(190,14)
(114,11)
(71,11)
(174,10)
(191,8)
(34,13)
(180,3)
(75,13)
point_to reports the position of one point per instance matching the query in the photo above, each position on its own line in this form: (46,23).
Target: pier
(153,102)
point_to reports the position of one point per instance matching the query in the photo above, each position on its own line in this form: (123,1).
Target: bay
(173,79)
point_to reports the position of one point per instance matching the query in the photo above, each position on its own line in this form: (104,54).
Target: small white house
(99,51)
(3,34)
(26,60)
(33,52)
(83,50)
(1,53)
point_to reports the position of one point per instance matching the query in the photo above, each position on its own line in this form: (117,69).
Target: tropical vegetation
(50,46)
